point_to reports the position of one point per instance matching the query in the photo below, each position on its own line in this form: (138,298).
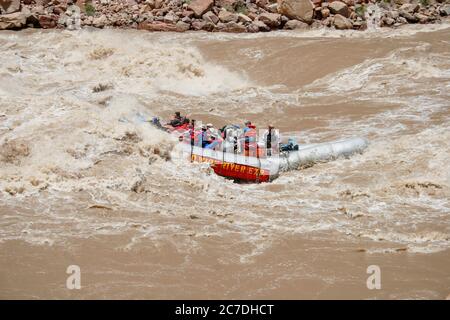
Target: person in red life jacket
(183,130)
(184,126)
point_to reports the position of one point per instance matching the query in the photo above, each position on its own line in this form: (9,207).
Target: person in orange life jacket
(250,145)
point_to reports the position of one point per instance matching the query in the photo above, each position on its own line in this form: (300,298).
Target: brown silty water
(84,182)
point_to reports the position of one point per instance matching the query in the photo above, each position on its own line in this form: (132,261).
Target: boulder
(295,24)
(159,26)
(14,20)
(325,13)
(338,7)
(226,16)
(422,18)
(273,7)
(198,24)
(243,18)
(9,6)
(226,3)
(302,10)
(157,4)
(32,18)
(252,28)
(232,26)
(394,14)
(327,22)
(171,18)
(408,13)
(341,23)
(187,13)
(182,26)
(210,17)
(400,2)
(199,7)
(259,26)
(272,20)
(100,22)
(360,25)
(186,20)
(48,21)
(445,10)
(409,7)
(401,21)
(388,21)
(209,26)
(262,3)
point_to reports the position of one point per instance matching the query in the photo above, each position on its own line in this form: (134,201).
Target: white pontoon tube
(321,152)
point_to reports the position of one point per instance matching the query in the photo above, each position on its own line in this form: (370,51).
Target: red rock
(9,6)
(199,7)
(59,10)
(81,4)
(302,10)
(198,24)
(160,26)
(48,21)
(209,26)
(338,7)
(273,20)
(187,13)
(262,3)
(226,3)
(182,26)
(232,27)
(210,17)
(295,24)
(14,20)
(258,26)
(226,16)
(341,23)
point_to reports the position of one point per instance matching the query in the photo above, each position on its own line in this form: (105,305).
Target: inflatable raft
(241,167)
(257,169)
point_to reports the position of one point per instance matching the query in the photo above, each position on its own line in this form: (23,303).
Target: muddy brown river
(72,150)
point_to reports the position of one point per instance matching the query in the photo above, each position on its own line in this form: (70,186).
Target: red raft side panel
(241,172)
(234,170)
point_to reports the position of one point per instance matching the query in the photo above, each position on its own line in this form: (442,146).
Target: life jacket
(250,143)
(250,135)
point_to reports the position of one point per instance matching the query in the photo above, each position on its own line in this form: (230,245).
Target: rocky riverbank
(219,15)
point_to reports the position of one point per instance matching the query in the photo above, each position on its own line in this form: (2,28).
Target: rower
(177,120)
(270,140)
